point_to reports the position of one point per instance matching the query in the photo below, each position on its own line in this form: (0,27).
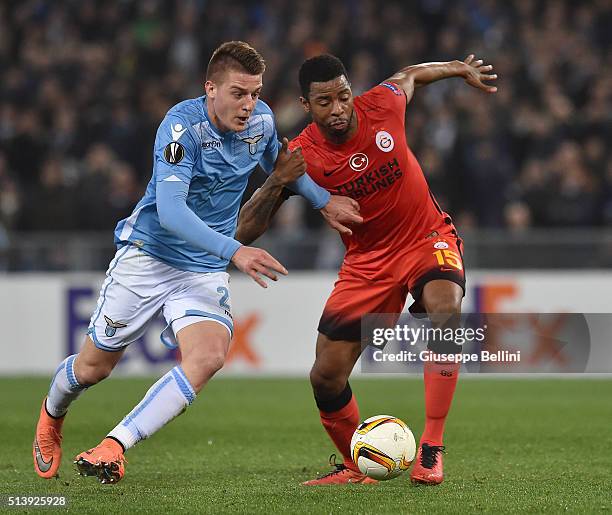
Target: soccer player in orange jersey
(356,146)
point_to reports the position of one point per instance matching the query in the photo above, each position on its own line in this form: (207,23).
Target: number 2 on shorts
(224,296)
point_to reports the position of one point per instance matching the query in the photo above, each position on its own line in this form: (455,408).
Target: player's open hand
(476,73)
(342,211)
(290,166)
(253,261)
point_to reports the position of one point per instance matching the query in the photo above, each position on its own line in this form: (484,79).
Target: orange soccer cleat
(340,476)
(428,467)
(105,461)
(47,446)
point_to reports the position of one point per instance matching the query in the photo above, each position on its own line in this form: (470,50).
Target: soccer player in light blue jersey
(172,254)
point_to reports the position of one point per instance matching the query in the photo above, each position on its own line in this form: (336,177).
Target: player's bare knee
(326,384)
(442,297)
(206,364)
(207,358)
(91,373)
(443,300)
(214,362)
(444,305)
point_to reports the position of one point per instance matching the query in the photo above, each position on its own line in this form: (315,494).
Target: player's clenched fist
(290,166)
(254,261)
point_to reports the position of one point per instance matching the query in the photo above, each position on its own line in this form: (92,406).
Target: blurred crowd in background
(85,84)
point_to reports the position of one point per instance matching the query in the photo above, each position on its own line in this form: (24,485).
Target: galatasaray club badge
(440,244)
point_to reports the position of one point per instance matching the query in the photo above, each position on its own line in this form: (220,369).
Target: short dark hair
(235,55)
(320,68)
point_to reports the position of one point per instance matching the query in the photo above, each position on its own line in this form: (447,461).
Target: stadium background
(526,174)
(85,84)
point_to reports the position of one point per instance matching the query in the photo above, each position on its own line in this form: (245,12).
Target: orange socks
(440,382)
(340,426)
(340,418)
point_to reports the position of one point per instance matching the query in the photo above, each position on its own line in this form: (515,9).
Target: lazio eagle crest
(252,143)
(111,327)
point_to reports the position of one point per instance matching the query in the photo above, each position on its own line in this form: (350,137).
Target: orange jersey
(376,168)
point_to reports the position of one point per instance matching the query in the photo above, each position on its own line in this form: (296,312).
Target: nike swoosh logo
(43,466)
(327,174)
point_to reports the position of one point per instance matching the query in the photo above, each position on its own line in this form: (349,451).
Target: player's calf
(338,408)
(204,346)
(93,365)
(332,367)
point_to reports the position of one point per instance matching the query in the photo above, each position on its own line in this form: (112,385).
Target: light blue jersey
(213,169)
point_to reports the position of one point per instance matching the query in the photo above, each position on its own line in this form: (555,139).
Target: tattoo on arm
(256,214)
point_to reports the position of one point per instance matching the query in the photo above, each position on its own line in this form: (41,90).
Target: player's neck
(341,139)
(214,119)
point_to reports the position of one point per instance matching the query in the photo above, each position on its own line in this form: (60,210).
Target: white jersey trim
(128,226)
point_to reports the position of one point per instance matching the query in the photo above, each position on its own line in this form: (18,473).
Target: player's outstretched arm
(472,70)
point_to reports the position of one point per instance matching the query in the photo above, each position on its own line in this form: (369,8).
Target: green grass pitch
(540,445)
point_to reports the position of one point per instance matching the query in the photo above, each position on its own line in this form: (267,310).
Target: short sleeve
(295,143)
(386,96)
(175,150)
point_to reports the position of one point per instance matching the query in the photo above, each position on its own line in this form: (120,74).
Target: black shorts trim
(351,330)
(331,327)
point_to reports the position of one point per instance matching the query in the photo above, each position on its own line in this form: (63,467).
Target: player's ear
(210,88)
(305,104)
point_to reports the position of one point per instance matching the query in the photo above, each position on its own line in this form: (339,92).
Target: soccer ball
(383,447)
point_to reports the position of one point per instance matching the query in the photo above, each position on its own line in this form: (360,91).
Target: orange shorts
(384,288)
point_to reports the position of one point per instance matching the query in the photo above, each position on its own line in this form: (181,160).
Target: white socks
(166,399)
(64,388)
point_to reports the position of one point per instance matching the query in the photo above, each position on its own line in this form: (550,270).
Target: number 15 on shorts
(448,258)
